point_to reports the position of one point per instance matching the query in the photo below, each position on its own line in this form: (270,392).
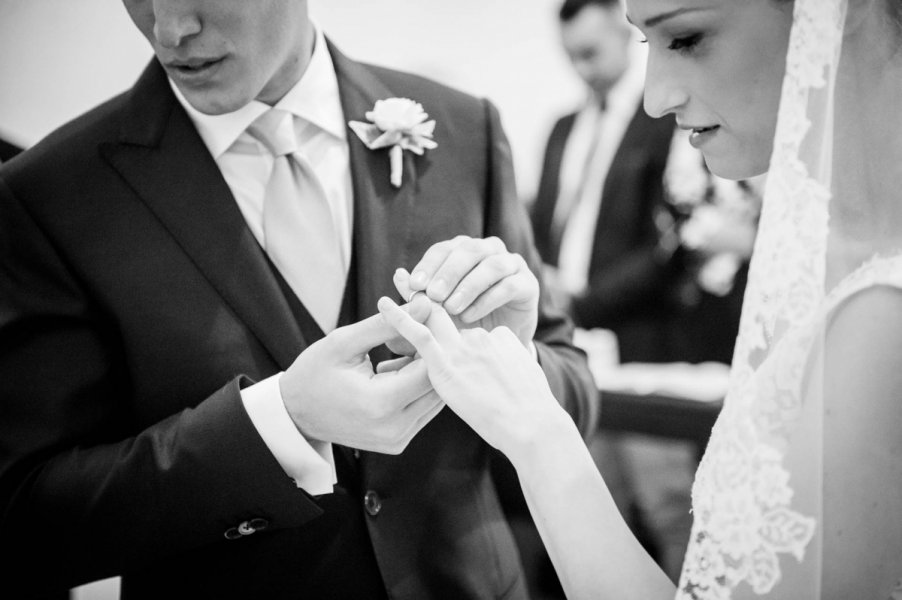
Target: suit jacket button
(245,528)
(258,524)
(372,503)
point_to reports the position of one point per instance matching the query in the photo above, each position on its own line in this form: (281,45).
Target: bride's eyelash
(682,44)
(686,43)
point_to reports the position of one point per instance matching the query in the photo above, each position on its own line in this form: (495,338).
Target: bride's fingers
(420,310)
(419,335)
(423,310)
(442,326)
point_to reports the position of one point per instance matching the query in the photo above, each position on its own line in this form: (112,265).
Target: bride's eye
(686,43)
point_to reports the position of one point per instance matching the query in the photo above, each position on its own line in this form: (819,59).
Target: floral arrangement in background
(711,219)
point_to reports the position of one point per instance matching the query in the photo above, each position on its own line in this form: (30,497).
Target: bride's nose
(665,90)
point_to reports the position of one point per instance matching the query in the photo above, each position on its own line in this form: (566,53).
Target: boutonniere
(398,124)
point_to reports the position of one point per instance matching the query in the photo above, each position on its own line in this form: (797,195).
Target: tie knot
(275,130)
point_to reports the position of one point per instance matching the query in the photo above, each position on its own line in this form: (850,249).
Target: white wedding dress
(743,496)
(830,238)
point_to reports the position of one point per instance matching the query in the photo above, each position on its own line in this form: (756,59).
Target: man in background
(594,219)
(601,185)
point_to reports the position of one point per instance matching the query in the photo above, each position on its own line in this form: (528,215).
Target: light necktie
(299,233)
(567,203)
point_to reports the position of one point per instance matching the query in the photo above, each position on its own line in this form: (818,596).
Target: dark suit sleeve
(564,365)
(85,494)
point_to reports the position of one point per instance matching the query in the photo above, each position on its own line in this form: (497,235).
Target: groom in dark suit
(177,408)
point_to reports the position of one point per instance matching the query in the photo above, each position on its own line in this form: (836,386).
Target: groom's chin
(214,98)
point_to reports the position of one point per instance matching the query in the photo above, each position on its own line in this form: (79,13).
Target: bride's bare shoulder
(862,424)
(874,310)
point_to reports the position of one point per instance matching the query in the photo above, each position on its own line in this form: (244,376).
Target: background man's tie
(299,233)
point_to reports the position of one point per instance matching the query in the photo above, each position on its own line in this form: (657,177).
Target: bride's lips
(700,134)
(194,71)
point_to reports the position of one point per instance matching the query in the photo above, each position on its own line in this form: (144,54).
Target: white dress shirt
(320,127)
(590,149)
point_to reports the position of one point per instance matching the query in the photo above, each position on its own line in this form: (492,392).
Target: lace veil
(831,225)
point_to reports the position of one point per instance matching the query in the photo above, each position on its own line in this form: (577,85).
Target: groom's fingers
(361,337)
(394,364)
(446,263)
(401,279)
(402,387)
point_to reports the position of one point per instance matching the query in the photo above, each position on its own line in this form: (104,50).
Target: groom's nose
(174,22)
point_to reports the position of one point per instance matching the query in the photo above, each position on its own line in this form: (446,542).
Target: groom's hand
(479,283)
(333,395)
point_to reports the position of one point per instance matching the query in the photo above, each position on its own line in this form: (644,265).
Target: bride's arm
(863,446)
(593,550)
(493,383)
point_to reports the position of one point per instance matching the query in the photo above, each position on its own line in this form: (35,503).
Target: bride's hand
(488,378)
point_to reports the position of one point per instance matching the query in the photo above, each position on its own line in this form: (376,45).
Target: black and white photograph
(412,300)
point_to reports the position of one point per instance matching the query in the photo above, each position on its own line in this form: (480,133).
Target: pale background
(61,57)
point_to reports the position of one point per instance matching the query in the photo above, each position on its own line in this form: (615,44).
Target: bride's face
(717,65)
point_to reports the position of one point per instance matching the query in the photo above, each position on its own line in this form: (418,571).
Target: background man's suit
(135,305)
(627,279)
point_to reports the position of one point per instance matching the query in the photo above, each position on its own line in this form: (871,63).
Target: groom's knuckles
(432,259)
(496,244)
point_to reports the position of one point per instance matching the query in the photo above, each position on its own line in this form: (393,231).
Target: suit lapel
(381,211)
(633,144)
(165,161)
(549,193)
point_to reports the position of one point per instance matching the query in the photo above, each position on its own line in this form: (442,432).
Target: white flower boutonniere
(399,124)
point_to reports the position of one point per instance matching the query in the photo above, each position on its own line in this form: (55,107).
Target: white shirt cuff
(309,462)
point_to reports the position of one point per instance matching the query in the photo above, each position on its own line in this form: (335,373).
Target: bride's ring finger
(413,295)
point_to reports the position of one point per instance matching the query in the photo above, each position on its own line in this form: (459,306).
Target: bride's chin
(737,166)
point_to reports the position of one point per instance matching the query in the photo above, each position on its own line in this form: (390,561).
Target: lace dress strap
(878,270)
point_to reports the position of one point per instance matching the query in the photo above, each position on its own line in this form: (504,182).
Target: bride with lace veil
(799,494)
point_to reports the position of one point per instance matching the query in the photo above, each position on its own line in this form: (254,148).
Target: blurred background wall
(61,57)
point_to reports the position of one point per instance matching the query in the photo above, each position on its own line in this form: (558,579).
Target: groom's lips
(194,70)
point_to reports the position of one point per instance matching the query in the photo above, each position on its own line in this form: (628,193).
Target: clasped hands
(332,391)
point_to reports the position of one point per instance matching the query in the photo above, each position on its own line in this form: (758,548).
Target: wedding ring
(413,295)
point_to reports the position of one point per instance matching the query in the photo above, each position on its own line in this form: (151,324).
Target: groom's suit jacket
(136,303)
(628,281)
